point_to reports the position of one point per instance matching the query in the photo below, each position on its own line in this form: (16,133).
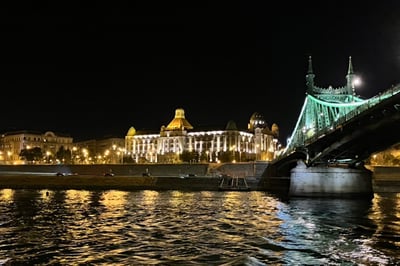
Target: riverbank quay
(385,179)
(95,182)
(187,177)
(196,169)
(194,177)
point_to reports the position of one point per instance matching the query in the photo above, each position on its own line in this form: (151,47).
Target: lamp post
(85,153)
(48,153)
(113,154)
(73,154)
(9,153)
(106,156)
(122,152)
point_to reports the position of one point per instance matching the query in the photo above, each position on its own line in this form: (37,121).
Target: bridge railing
(347,117)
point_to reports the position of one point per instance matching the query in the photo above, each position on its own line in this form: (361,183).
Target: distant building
(174,143)
(178,142)
(12,143)
(101,151)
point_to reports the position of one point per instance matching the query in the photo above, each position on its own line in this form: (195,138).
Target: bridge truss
(337,127)
(320,117)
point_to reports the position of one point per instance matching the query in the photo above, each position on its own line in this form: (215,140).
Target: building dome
(256,121)
(179,122)
(275,130)
(131,132)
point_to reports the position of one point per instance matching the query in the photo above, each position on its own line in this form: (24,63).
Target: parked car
(187,175)
(109,173)
(65,174)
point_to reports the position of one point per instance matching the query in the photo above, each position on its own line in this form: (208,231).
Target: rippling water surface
(77,227)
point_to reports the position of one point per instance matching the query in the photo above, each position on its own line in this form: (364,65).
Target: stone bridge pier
(330,181)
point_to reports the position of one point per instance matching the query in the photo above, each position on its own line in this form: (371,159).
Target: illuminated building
(179,142)
(12,143)
(109,150)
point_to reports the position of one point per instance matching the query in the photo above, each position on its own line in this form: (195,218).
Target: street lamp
(73,154)
(85,153)
(106,158)
(48,153)
(9,153)
(122,152)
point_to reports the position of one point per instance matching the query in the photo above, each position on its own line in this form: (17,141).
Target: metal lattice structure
(317,117)
(325,110)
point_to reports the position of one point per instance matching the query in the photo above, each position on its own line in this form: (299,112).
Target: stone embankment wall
(117,169)
(385,178)
(127,177)
(234,169)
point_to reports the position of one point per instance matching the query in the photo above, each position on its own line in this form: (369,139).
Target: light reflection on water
(198,228)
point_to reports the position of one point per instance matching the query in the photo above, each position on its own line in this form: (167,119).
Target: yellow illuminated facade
(11,144)
(178,142)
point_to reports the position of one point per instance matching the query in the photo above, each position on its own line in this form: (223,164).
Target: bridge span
(335,133)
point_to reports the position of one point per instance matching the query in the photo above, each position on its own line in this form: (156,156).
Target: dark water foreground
(113,227)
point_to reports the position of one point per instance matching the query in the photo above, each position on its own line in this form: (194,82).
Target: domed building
(179,142)
(256,121)
(266,139)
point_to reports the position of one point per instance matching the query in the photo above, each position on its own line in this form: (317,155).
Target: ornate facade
(11,144)
(179,142)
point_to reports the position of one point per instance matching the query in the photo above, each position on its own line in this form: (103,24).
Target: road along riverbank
(386,178)
(93,182)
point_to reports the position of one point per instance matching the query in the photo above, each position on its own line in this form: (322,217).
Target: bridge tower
(323,108)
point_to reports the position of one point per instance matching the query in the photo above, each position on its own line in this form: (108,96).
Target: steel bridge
(337,127)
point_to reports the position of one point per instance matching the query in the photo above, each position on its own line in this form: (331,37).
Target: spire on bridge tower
(350,78)
(310,70)
(345,93)
(310,76)
(350,71)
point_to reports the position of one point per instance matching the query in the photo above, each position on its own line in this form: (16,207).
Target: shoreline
(188,177)
(97,182)
(129,177)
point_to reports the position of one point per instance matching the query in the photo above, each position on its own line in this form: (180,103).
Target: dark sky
(95,69)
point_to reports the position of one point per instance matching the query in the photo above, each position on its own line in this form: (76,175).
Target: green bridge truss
(326,109)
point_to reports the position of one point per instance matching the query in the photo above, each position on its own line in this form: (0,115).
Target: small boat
(233,183)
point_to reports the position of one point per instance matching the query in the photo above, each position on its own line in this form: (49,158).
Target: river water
(80,227)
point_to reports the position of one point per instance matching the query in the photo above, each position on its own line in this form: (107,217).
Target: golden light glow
(149,199)
(178,197)
(45,195)
(114,199)
(6,194)
(75,198)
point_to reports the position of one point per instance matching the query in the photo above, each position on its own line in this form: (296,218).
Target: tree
(225,156)
(30,155)
(189,156)
(63,155)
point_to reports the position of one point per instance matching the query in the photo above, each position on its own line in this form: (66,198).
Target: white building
(178,142)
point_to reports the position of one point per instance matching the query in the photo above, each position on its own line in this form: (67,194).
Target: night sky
(95,69)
